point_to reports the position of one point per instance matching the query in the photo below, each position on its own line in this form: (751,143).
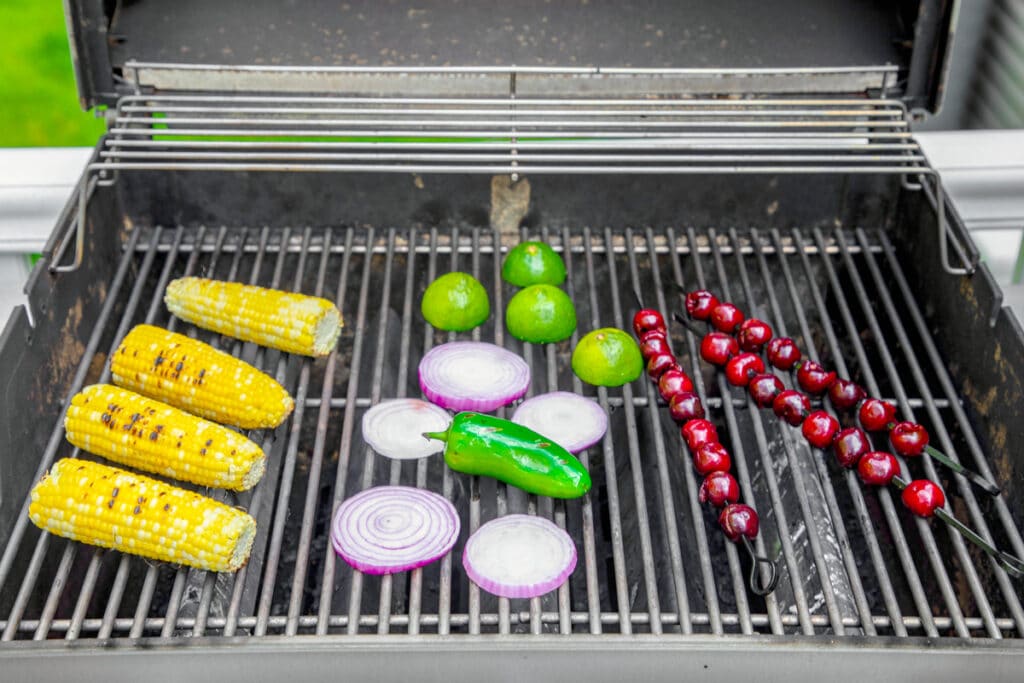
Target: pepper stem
(440,436)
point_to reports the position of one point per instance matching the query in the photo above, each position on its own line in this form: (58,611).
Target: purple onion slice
(573,422)
(395,428)
(473,376)
(519,556)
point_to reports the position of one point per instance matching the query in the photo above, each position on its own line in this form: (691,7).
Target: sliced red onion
(389,529)
(473,376)
(395,428)
(519,556)
(573,422)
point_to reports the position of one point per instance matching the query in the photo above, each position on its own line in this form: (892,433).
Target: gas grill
(796,191)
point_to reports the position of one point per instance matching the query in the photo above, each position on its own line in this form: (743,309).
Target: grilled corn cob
(149,435)
(198,378)
(295,323)
(108,507)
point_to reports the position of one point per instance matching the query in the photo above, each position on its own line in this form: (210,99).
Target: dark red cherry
(876,414)
(783,353)
(699,304)
(739,520)
(792,406)
(820,428)
(813,378)
(717,347)
(652,343)
(719,489)
(845,394)
(764,388)
(647,319)
(908,438)
(659,363)
(711,457)
(850,445)
(877,468)
(741,368)
(753,334)
(923,497)
(685,406)
(698,432)
(726,317)
(672,382)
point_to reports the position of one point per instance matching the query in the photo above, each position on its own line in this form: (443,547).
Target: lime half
(533,263)
(455,302)
(607,357)
(541,314)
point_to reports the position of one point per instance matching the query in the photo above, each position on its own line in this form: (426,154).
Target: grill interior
(652,560)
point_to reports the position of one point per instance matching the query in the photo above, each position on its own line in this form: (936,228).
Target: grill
(799,193)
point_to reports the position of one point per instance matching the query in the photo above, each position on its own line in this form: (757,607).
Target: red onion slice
(473,376)
(395,428)
(519,556)
(389,529)
(573,422)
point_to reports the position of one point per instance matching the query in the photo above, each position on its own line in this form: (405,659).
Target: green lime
(533,263)
(607,357)
(455,302)
(540,314)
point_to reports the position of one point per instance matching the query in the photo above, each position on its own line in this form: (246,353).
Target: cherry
(908,438)
(783,353)
(877,468)
(738,520)
(813,378)
(699,304)
(792,406)
(699,432)
(647,319)
(764,388)
(726,317)
(876,414)
(820,429)
(850,445)
(672,382)
(922,497)
(753,334)
(741,368)
(659,363)
(719,489)
(717,347)
(711,457)
(685,406)
(653,343)
(845,394)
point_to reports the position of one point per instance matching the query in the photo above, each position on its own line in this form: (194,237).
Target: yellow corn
(295,323)
(149,435)
(108,507)
(198,378)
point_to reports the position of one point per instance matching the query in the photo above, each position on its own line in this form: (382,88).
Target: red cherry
(738,520)
(659,363)
(850,445)
(652,343)
(673,382)
(908,438)
(922,497)
(845,394)
(764,388)
(698,432)
(876,414)
(647,319)
(726,317)
(820,429)
(792,406)
(753,334)
(813,378)
(877,468)
(717,347)
(685,406)
(699,304)
(741,368)
(783,353)
(712,457)
(719,489)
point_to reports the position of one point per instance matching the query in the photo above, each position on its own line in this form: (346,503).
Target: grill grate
(653,561)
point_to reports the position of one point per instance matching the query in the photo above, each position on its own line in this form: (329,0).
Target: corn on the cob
(149,435)
(108,507)
(198,378)
(295,323)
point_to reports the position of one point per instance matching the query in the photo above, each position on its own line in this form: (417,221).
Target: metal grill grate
(653,561)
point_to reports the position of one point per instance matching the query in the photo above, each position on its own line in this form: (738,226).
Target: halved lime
(533,263)
(541,314)
(455,302)
(607,357)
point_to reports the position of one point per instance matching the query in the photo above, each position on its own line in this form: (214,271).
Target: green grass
(38,98)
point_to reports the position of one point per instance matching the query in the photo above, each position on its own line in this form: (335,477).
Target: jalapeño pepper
(482,444)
